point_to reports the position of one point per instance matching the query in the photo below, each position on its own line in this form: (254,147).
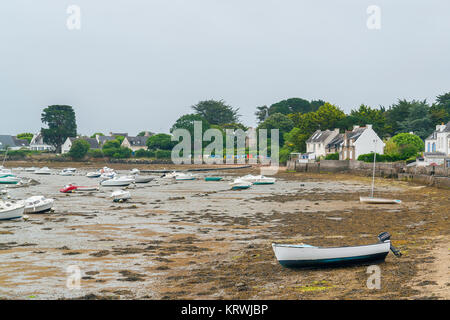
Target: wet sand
(200,240)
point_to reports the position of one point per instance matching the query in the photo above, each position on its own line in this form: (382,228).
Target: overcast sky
(140,64)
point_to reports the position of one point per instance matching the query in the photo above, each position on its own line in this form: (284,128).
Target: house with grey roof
(360,140)
(12,143)
(317,143)
(135,143)
(38,144)
(65,148)
(103,139)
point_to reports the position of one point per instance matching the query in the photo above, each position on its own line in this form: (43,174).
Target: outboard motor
(384,236)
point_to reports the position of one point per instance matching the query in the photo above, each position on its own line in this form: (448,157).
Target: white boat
(302,255)
(238,184)
(108,175)
(172,174)
(134,171)
(258,179)
(87,188)
(67,172)
(372,199)
(184,176)
(96,174)
(4,171)
(120,195)
(31,169)
(142,179)
(117,182)
(10,210)
(9,179)
(379,200)
(38,204)
(44,170)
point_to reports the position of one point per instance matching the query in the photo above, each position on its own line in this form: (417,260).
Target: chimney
(355,127)
(368,126)
(336,130)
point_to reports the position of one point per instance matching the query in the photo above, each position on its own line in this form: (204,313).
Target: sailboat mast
(374,161)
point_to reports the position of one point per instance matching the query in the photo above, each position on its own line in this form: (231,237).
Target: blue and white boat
(303,255)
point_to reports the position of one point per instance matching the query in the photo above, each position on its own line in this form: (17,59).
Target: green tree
(277,121)
(409,145)
(216,112)
(79,149)
(367,115)
(261,113)
(112,144)
(142,133)
(160,141)
(440,110)
(187,122)
(61,123)
(25,136)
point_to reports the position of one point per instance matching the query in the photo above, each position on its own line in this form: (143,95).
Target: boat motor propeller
(384,236)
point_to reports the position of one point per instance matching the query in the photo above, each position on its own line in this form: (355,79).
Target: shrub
(79,149)
(334,156)
(141,153)
(95,153)
(163,154)
(161,141)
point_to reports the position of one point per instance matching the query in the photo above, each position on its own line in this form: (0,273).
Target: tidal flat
(201,240)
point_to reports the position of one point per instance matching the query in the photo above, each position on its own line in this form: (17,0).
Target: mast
(374,161)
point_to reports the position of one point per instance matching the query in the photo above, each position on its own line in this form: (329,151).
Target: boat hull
(213,178)
(379,200)
(15,213)
(307,257)
(39,209)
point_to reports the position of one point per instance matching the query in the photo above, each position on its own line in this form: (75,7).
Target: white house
(361,140)
(437,145)
(65,148)
(37,144)
(317,143)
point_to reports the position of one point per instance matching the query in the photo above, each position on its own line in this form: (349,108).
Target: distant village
(347,146)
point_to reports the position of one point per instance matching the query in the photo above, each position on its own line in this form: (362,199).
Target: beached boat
(184,176)
(72,188)
(239,184)
(43,171)
(31,169)
(68,188)
(134,171)
(9,179)
(87,188)
(258,179)
(213,178)
(67,172)
(120,195)
(96,174)
(379,200)
(372,199)
(38,204)
(172,174)
(10,210)
(142,179)
(303,255)
(117,182)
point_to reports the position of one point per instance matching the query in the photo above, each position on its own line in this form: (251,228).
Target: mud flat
(200,240)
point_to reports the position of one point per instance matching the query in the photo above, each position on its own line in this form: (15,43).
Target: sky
(136,65)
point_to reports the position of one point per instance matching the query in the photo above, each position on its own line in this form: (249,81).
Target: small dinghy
(134,171)
(117,182)
(258,179)
(68,188)
(213,178)
(142,179)
(31,169)
(9,179)
(88,188)
(10,210)
(240,184)
(96,174)
(172,174)
(184,176)
(120,195)
(43,171)
(379,200)
(67,172)
(303,255)
(38,204)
